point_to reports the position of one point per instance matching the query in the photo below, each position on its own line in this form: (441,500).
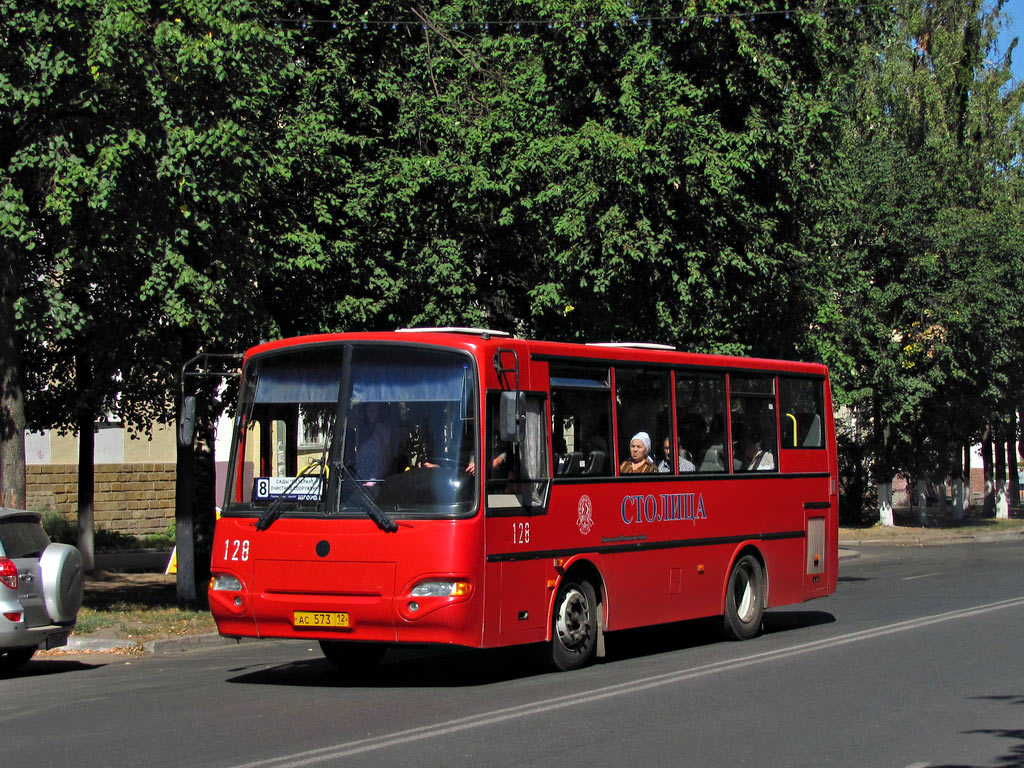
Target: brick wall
(136,499)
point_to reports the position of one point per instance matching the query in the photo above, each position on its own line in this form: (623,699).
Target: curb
(911,540)
(189,643)
(79,643)
(150,647)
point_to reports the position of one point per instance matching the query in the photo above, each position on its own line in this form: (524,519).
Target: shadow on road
(405,667)
(1012,759)
(412,667)
(52,666)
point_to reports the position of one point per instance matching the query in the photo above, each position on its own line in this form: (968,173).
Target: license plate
(320,619)
(55,641)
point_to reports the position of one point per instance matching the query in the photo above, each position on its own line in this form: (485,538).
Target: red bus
(460,486)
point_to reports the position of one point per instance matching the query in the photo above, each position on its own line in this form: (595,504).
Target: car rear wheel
(14,659)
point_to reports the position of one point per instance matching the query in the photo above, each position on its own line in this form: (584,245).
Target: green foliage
(59,528)
(163,540)
(919,314)
(842,186)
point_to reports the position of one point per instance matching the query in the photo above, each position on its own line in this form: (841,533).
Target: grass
(137,621)
(137,607)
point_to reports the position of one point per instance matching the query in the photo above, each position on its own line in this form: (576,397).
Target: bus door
(517,488)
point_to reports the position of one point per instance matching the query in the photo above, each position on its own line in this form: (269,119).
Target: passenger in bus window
(752,454)
(744,449)
(763,458)
(639,460)
(376,448)
(665,465)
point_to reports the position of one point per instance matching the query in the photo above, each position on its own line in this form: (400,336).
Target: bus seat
(595,463)
(813,437)
(569,464)
(714,460)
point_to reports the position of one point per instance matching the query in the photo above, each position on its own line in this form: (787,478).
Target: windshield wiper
(277,505)
(374,512)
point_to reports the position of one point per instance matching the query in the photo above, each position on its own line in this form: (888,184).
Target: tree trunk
(204,506)
(1001,505)
(957,485)
(184,540)
(1013,484)
(86,455)
(986,465)
(921,500)
(86,491)
(12,396)
(885,516)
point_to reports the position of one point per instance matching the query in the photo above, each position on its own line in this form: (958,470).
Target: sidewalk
(932,535)
(111,589)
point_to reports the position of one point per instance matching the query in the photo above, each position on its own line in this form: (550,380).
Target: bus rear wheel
(574,626)
(353,657)
(744,599)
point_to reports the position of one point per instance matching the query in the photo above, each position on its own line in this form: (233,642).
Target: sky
(1015,9)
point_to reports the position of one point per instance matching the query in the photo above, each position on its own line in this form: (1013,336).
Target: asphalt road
(916,661)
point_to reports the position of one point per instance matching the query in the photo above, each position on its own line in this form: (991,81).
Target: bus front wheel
(353,656)
(574,625)
(744,599)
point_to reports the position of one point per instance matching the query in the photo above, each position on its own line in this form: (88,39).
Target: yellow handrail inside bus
(792,418)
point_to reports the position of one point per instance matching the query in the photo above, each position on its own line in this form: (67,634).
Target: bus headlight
(441,588)
(223,582)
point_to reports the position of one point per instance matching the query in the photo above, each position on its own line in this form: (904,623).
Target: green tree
(592,176)
(139,145)
(917,301)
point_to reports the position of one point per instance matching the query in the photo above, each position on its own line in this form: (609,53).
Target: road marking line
(922,576)
(359,746)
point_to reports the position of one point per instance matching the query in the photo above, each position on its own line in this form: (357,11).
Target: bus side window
(581,420)
(700,414)
(754,423)
(643,403)
(801,405)
(516,473)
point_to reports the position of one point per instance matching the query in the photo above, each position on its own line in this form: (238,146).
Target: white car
(40,588)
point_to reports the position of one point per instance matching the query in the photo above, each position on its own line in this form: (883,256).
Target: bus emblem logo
(585,515)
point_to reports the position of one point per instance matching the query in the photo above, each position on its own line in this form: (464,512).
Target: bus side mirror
(511,426)
(187,424)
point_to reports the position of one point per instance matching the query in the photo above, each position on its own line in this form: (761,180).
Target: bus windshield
(355,429)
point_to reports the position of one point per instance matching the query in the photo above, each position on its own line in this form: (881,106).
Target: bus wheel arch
(576,629)
(746,595)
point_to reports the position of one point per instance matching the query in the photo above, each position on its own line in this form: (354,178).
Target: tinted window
(581,421)
(700,411)
(21,537)
(517,472)
(644,404)
(754,426)
(801,403)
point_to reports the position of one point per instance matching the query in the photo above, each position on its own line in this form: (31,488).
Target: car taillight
(8,573)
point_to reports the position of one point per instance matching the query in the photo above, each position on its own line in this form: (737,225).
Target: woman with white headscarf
(639,460)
